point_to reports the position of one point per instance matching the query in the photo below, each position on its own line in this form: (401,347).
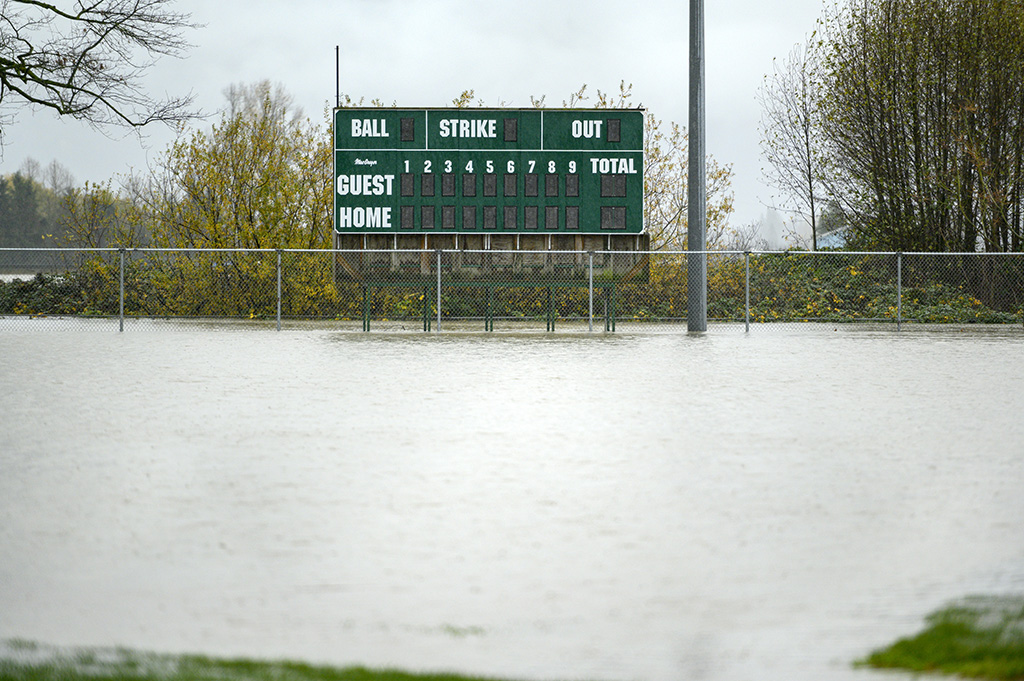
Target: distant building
(834,239)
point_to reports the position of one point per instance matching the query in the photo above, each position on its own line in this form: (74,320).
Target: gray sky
(425,52)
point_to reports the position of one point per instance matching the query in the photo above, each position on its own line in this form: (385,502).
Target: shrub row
(782,287)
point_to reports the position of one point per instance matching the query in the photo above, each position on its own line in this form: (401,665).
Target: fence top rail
(114,249)
(660,252)
(86,249)
(15,249)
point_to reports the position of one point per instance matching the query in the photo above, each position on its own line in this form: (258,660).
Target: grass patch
(978,637)
(26,661)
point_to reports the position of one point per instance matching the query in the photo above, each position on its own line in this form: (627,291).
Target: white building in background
(782,231)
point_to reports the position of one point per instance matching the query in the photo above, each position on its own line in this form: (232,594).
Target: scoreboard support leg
(609,308)
(607,321)
(613,307)
(590,295)
(366,308)
(551,310)
(426,309)
(489,312)
(439,290)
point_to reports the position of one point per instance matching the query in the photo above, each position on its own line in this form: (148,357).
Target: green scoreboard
(478,171)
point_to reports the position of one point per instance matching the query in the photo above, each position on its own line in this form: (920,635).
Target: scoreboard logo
(488,170)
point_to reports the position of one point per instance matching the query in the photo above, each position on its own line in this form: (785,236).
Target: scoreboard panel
(478,171)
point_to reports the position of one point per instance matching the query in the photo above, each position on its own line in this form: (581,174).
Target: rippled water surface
(629,506)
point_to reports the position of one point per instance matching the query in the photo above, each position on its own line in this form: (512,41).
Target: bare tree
(747,237)
(88,62)
(789,136)
(58,179)
(31,169)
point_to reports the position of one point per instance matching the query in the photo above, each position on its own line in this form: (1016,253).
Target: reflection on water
(540,506)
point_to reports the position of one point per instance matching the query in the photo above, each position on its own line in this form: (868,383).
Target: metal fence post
(746,277)
(120,295)
(899,291)
(439,290)
(279,289)
(590,318)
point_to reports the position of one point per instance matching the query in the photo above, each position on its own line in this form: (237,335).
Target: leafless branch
(89,62)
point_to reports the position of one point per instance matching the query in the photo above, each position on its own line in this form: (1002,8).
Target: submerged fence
(493,290)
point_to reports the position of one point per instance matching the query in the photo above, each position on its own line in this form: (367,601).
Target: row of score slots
(468,201)
(467,188)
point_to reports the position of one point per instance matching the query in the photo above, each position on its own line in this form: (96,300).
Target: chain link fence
(503,290)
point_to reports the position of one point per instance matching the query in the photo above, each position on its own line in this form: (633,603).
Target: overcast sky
(419,53)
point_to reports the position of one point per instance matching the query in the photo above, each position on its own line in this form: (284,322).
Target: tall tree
(21,223)
(790,141)
(88,61)
(260,178)
(922,118)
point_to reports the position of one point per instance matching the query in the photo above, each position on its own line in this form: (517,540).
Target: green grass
(978,637)
(28,661)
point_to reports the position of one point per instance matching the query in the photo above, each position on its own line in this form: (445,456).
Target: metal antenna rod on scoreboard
(337,76)
(697,263)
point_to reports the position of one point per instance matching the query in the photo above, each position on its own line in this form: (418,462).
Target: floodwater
(633,506)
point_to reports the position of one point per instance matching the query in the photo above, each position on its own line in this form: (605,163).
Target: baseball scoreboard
(479,171)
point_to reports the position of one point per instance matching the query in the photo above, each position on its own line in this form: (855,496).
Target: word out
(586,129)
